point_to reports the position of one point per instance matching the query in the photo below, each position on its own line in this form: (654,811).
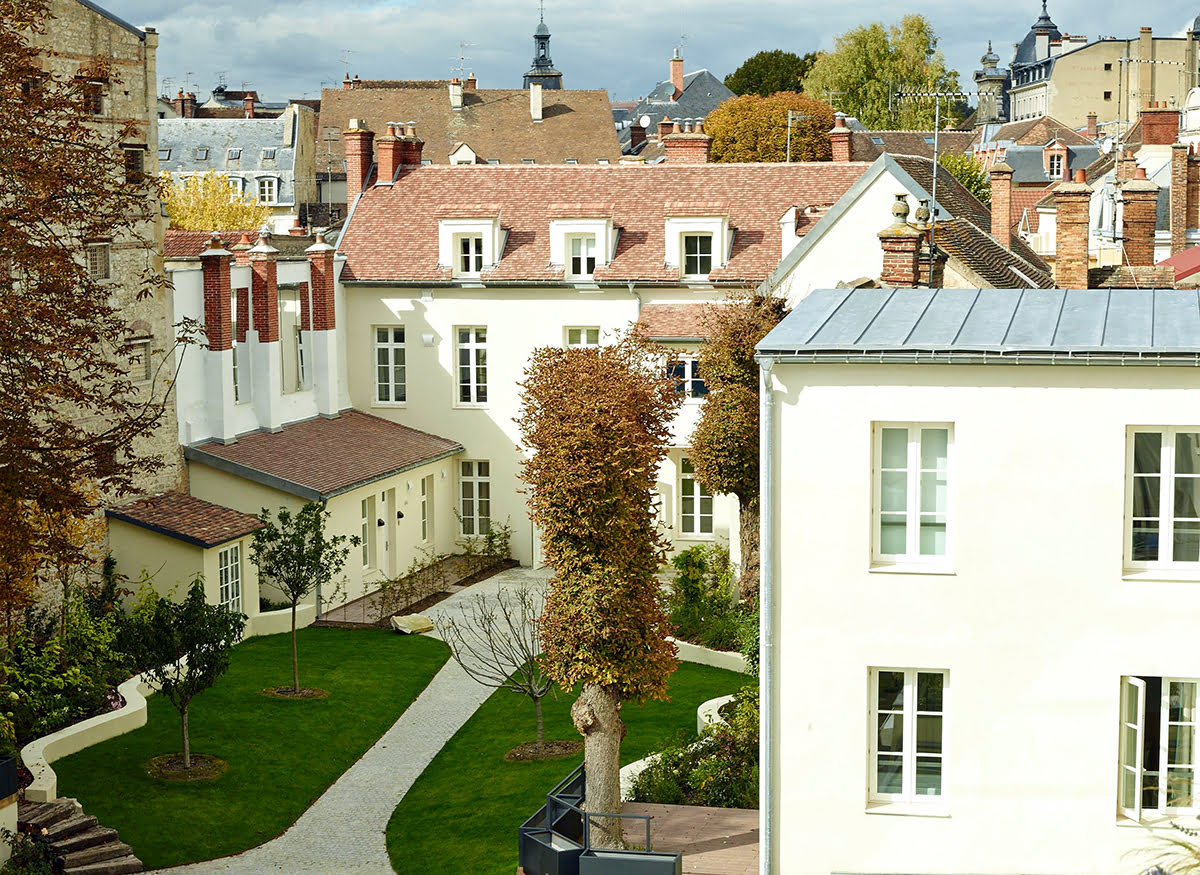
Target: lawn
(282,754)
(465,808)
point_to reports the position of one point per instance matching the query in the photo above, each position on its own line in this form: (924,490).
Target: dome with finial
(1196,26)
(990,59)
(1027,50)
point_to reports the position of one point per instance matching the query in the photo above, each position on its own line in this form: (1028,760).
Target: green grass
(282,754)
(465,808)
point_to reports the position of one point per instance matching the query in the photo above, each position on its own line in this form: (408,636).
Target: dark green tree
(970,173)
(768,72)
(186,647)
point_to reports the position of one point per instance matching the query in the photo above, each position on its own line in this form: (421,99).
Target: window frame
(229,577)
(587,260)
(367,510)
(584,342)
(474,523)
(272,184)
(94,272)
(426,495)
(912,559)
(140,365)
(476,349)
(1167,517)
(699,256)
(1052,160)
(135,164)
(909,753)
(462,256)
(691,487)
(684,369)
(1133,761)
(395,349)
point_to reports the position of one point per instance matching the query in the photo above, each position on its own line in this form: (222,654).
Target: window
(140,366)
(201,154)
(911,492)
(93,98)
(233,154)
(267,188)
(878,141)
(98,265)
(493,161)
(583,257)
(476,497)
(134,166)
(472,365)
(695,503)
(1107,67)
(1158,746)
(229,563)
(1108,95)
(164,154)
(908,708)
(368,532)
(928,141)
(1162,505)
(268,154)
(583,337)
(470,255)
(572,161)
(1056,166)
(236,184)
(686,372)
(697,254)
(527,161)
(389,364)
(426,497)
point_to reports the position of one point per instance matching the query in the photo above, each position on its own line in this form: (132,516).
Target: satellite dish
(1106,146)
(644,121)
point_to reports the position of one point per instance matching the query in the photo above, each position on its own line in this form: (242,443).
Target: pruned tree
(753,128)
(296,557)
(205,201)
(970,173)
(725,442)
(767,72)
(596,423)
(496,643)
(186,647)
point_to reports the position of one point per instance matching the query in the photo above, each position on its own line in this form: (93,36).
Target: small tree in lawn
(496,643)
(186,646)
(295,556)
(596,424)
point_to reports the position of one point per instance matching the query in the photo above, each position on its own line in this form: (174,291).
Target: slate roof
(864,148)
(183,136)
(673,321)
(393,232)
(1028,163)
(1033,132)
(188,519)
(495,122)
(925,324)
(320,458)
(702,93)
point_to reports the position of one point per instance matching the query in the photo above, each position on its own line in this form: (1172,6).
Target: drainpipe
(766,631)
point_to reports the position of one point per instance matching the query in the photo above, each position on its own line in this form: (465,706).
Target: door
(1133,722)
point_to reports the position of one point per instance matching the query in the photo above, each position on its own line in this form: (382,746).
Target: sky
(293,49)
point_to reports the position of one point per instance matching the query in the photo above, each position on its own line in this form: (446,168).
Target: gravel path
(343,831)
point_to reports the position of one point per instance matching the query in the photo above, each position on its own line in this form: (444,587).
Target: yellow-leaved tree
(209,201)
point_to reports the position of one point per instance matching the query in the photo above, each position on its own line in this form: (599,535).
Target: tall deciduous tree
(596,424)
(768,72)
(970,173)
(296,557)
(206,201)
(872,62)
(186,647)
(753,128)
(72,411)
(725,443)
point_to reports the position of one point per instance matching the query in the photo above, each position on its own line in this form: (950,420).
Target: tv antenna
(188,81)
(220,74)
(683,38)
(345,55)
(460,67)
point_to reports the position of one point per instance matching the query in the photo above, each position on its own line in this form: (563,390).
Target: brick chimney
(218,321)
(388,154)
(839,139)
(456,94)
(637,136)
(1139,197)
(248,106)
(355,82)
(1071,201)
(346,82)
(358,141)
(677,75)
(665,126)
(241,257)
(471,84)
(411,146)
(324,336)
(901,244)
(535,101)
(1001,176)
(687,144)
(1179,197)
(1160,124)
(177,103)
(1093,132)
(1126,165)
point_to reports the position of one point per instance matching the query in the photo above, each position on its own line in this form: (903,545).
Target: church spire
(542,71)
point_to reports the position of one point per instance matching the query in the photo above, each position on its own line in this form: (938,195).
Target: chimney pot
(1081,176)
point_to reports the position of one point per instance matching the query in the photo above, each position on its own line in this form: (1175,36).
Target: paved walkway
(343,831)
(714,841)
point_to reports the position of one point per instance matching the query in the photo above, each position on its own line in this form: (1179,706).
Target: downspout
(766,602)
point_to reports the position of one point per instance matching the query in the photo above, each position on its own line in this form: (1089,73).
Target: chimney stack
(267,378)
(677,75)
(346,82)
(839,139)
(901,244)
(1093,131)
(1179,198)
(388,151)
(218,320)
(241,257)
(411,146)
(665,126)
(356,82)
(456,94)
(687,144)
(1001,176)
(185,104)
(324,336)
(535,101)
(471,84)
(637,136)
(248,106)
(358,141)
(1160,124)
(1139,197)
(1126,165)
(1071,201)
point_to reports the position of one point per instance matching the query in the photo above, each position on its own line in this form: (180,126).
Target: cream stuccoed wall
(1036,625)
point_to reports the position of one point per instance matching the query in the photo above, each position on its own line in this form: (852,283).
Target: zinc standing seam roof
(862,322)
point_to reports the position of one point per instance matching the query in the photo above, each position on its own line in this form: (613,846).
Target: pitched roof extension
(187,519)
(1032,132)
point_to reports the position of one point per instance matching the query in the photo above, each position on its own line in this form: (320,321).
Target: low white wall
(726,659)
(710,713)
(274,622)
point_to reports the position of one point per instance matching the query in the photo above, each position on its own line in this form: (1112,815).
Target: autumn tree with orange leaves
(596,424)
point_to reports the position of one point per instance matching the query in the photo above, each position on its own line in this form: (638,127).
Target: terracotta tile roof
(320,458)
(1022,200)
(864,148)
(1036,132)
(673,321)
(1185,263)
(495,123)
(187,519)
(996,265)
(1157,276)
(393,234)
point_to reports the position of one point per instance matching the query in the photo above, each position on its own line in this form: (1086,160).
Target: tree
(72,412)
(496,643)
(869,64)
(753,128)
(596,424)
(186,647)
(296,558)
(205,202)
(725,442)
(970,173)
(768,72)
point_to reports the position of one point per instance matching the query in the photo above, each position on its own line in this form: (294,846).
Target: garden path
(344,829)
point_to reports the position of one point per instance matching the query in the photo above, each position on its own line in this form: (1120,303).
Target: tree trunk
(295,660)
(748,512)
(597,716)
(187,749)
(537,707)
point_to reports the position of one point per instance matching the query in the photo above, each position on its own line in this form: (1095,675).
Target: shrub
(748,637)
(31,854)
(701,604)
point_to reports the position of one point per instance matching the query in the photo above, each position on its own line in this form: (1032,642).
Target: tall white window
(476,497)
(583,337)
(583,257)
(912,463)
(908,709)
(229,564)
(685,370)
(1056,166)
(470,254)
(389,364)
(695,503)
(426,500)
(368,532)
(1162,504)
(268,189)
(697,254)
(1158,746)
(98,261)
(472,365)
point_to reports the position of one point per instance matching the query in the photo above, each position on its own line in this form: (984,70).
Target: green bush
(31,855)
(701,604)
(748,636)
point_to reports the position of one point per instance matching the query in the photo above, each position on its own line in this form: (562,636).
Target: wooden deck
(714,841)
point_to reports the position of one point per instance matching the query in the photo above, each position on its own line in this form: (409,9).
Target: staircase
(84,846)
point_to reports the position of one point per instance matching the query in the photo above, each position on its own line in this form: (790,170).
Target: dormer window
(697,243)
(697,255)
(268,154)
(268,189)
(201,154)
(233,154)
(1056,166)
(583,256)
(470,255)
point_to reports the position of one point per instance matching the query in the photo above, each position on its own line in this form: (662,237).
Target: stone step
(108,851)
(48,813)
(93,837)
(118,866)
(63,829)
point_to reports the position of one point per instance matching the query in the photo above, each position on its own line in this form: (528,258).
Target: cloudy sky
(293,49)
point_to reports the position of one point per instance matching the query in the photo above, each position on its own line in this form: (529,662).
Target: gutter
(987,357)
(538,284)
(768,815)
